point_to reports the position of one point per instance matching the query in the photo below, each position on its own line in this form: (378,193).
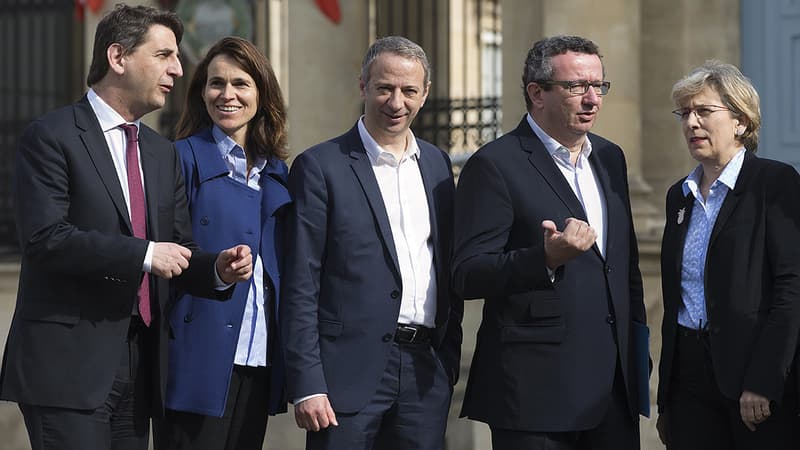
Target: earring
(739,132)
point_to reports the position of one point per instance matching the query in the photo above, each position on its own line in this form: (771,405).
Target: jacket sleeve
(306,235)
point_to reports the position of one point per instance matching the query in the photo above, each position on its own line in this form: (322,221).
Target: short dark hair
(538,65)
(266,132)
(127,26)
(397,45)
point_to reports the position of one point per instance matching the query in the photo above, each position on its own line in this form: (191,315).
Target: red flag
(331,9)
(93,5)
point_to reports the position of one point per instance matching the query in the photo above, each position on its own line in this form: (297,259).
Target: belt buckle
(409,328)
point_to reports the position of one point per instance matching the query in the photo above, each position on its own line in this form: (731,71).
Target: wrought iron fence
(42,66)
(459,126)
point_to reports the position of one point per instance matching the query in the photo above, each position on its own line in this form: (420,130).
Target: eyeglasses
(580,87)
(700,111)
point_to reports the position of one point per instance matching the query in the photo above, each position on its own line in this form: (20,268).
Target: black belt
(691,332)
(412,334)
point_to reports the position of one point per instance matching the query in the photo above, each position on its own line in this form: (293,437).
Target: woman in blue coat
(225,364)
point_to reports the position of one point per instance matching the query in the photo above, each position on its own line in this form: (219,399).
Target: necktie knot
(131,132)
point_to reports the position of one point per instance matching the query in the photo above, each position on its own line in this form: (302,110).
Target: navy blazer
(342,285)
(224,213)
(752,281)
(545,356)
(81,265)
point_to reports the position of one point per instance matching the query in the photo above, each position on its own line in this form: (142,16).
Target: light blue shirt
(692,313)
(251,349)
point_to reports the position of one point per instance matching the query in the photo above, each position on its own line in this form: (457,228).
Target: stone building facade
(477,48)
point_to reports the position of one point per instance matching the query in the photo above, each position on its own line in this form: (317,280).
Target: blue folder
(641,353)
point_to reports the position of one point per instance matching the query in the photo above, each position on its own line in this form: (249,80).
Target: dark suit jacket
(342,286)
(81,267)
(545,356)
(752,281)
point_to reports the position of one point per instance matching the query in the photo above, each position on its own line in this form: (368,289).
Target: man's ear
(362,87)
(116,54)
(534,93)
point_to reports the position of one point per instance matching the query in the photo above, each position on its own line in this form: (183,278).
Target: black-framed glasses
(700,111)
(580,87)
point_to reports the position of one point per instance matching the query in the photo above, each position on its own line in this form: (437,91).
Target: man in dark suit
(86,353)
(371,329)
(544,234)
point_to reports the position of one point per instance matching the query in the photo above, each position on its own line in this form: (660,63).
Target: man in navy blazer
(84,359)
(544,234)
(371,330)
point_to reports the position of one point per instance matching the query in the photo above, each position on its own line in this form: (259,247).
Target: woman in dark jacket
(730,267)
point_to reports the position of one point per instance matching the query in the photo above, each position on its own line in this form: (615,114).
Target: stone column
(324,63)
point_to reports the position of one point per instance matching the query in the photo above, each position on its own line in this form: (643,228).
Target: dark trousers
(617,431)
(700,417)
(121,423)
(408,411)
(242,426)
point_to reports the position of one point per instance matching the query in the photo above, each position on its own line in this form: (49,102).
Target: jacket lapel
(544,164)
(682,216)
(359,162)
(149,158)
(732,199)
(426,164)
(95,142)
(613,208)
(206,155)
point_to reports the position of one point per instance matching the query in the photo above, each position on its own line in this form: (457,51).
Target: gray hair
(397,45)
(735,90)
(538,63)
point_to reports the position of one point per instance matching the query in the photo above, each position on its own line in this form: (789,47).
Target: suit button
(608,269)
(187,318)
(204,221)
(395,294)
(387,337)
(610,319)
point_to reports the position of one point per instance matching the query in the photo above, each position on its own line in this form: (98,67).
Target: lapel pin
(681,215)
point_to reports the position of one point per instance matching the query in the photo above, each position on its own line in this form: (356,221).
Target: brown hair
(266,132)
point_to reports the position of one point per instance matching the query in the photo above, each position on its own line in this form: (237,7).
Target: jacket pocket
(330,328)
(544,324)
(66,313)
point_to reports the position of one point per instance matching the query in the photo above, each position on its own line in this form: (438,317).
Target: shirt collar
(728,176)
(227,145)
(108,118)
(377,154)
(553,146)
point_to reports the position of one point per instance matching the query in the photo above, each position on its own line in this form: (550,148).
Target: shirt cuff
(147,265)
(220,285)
(307,397)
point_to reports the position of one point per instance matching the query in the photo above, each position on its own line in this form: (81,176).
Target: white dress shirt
(406,203)
(403,192)
(110,121)
(581,179)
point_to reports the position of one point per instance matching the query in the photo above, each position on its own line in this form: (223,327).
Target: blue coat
(205,332)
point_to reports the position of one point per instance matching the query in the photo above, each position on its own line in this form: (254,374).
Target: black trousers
(242,426)
(700,417)
(408,411)
(121,423)
(617,431)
